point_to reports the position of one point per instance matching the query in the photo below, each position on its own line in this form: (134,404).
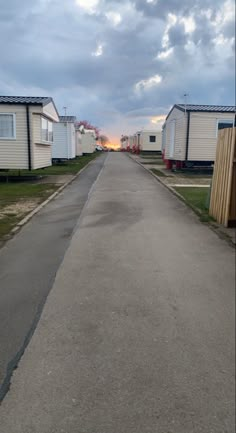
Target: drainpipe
(187,138)
(138,147)
(28,137)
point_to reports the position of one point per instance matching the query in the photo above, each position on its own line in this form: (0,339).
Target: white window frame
(14,126)
(42,140)
(229,121)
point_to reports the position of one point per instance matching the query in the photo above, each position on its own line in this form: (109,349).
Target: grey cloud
(229,29)
(177,35)
(50,51)
(184,7)
(146,112)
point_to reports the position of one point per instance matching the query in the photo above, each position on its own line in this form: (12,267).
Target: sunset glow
(158,120)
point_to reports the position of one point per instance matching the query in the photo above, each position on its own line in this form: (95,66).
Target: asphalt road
(28,265)
(137,334)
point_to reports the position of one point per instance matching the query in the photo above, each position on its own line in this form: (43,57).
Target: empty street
(137,332)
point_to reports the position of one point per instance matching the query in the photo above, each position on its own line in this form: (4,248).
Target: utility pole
(185,102)
(65,109)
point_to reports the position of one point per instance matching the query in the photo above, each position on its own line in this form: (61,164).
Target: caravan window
(152,139)
(7,126)
(224,123)
(46,130)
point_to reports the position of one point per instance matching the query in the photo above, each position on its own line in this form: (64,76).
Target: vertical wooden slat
(222,202)
(231,199)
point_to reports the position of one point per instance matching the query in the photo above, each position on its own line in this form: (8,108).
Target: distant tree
(124,138)
(88,125)
(104,140)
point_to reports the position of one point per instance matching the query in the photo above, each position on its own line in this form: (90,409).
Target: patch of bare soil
(19,209)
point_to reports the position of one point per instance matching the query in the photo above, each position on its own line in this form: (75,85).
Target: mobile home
(64,142)
(190,133)
(88,141)
(78,142)
(150,141)
(124,141)
(26,132)
(131,141)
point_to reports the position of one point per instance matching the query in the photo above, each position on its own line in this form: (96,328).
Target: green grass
(69,167)
(146,154)
(158,172)
(153,162)
(151,156)
(197,199)
(193,175)
(6,225)
(12,194)
(22,193)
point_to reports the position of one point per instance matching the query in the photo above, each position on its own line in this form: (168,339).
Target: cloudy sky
(119,64)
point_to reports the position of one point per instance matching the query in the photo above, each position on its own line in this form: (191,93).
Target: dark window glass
(152,138)
(223,125)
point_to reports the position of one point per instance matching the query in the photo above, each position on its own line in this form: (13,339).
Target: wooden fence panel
(223,191)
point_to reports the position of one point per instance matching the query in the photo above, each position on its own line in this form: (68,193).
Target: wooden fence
(223,189)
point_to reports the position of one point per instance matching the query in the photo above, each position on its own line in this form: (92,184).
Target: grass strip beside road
(68,167)
(17,200)
(156,162)
(193,175)
(197,199)
(158,172)
(152,155)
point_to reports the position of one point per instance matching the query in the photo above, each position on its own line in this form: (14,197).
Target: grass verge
(150,155)
(68,167)
(156,162)
(193,175)
(197,199)
(17,200)
(158,172)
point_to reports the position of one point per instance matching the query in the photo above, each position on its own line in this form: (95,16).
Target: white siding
(71,141)
(49,111)
(203,135)
(88,142)
(79,148)
(131,141)
(42,156)
(180,135)
(163,144)
(145,143)
(41,153)
(63,140)
(60,147)
(14,153)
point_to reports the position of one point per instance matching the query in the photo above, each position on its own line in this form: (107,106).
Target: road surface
(137,334)
(28,265)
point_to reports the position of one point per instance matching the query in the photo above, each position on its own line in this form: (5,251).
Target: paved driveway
(137,334)
(28,265)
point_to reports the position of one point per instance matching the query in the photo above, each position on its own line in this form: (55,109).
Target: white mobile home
(124,141)
(26,132)
(190,133)
(64,142)
(88,141)
(150,141)
(78,142)
(131,141)
(136,139)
